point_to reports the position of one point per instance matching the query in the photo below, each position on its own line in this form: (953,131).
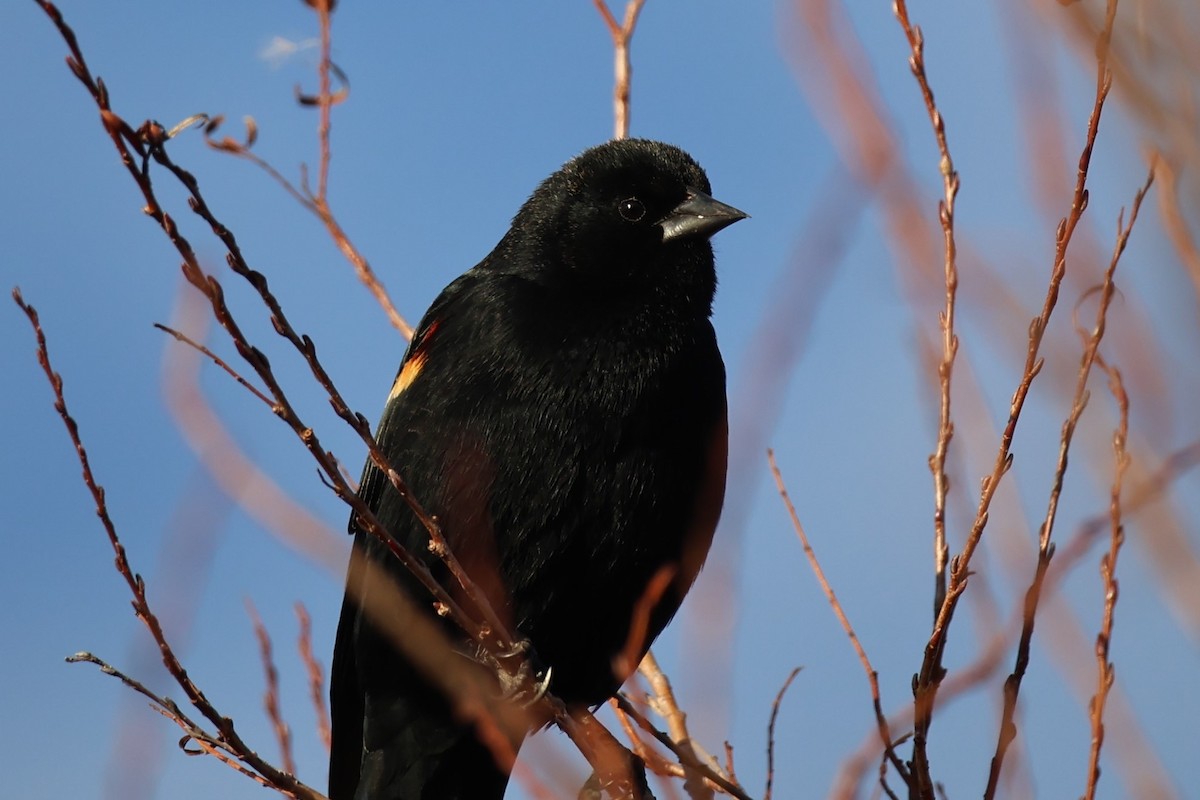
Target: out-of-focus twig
(316,677)
(1108,574)
(622,36)
(283,733)
(1012,686)
(1174,223)
(885,733)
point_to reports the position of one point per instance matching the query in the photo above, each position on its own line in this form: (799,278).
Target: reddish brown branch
(1012,686)
(932,671)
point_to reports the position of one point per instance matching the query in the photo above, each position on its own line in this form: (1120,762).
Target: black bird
(561,410)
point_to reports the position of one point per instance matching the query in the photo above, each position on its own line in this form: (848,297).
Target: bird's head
(626,214)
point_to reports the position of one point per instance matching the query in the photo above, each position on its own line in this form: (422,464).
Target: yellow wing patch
(415,363)
(412,368)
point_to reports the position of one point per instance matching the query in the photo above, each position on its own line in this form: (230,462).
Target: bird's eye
(631,209)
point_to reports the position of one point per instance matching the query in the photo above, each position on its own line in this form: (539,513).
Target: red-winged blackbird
(561,410)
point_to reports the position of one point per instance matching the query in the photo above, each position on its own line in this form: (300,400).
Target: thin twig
(216,359)
(950,183)
(771,732)
(227,734)
(932,671)
(1012,686)
(885,733)
(622,36)
(316,678)
(1108,574)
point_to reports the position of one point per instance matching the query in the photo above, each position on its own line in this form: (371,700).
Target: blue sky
(456,111)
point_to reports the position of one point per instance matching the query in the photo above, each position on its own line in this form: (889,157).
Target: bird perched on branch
(561,413)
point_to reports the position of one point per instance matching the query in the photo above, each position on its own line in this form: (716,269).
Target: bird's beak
(698,215)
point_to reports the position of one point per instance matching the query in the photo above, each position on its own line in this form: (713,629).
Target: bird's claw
(523,683)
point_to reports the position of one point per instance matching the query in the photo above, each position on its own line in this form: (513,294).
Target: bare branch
(227,736)
(885,733)
(1012,686)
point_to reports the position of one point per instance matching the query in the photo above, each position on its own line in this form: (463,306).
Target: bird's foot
(522,677)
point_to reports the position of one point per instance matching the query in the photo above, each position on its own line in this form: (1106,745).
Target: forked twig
(216,359)
(622,36)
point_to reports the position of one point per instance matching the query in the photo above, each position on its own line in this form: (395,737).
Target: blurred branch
(227,739)
(622,36)
(1108,569)
(1012,686)
(283,734)
(1176,226)
(316,679)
